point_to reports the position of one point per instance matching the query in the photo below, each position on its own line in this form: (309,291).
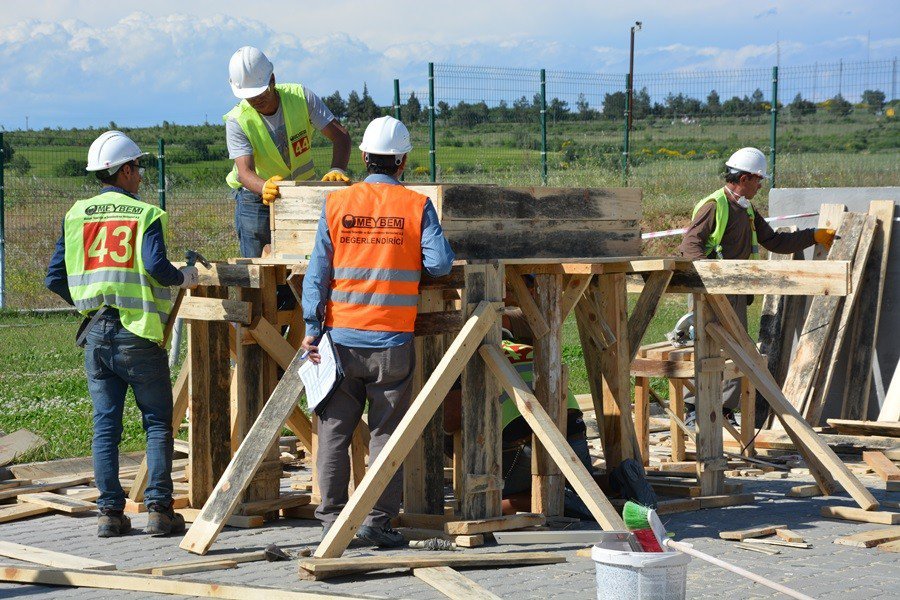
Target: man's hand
(191,277)
(336,174)
(824,237)
(313,351)
(270,190)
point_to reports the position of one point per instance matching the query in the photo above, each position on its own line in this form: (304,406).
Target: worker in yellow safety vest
(724,225)
(110,263)
(269,135)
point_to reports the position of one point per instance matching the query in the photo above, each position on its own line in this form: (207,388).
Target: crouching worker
(110,263)
(362,285)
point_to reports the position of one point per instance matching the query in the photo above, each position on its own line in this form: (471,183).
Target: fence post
(161,168)
(544,126)
(397,112)
(2,227)
(431,149)
(626,143)
(774,135)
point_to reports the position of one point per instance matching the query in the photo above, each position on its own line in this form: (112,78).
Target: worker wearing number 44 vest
(362,285)
(268,135)
(725,225)
(110,263)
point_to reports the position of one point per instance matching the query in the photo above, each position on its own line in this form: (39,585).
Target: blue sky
(76,63)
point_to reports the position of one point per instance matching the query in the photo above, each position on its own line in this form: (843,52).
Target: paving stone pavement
(826,571)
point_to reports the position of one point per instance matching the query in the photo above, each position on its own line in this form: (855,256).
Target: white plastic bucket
(639,575)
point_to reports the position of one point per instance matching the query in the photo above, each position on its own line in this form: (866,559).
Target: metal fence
(822,125)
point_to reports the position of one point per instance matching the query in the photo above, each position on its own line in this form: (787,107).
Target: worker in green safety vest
(110,264)
(269,135)
(724,225)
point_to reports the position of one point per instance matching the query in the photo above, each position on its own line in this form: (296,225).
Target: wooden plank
(870,539)
(261,507)
(726,500)
(642,416)
(58,502)
(885,469)
(804,278)
(504,523)
(821,459)
(481,413)
(524,300)
(237,476)
(520,538)
(848,427)
(676,399)
(541,424)
(774,542)
(804,491)
(890,546)
(708,403)
(226,274)
(789,536)
(148,584)
(195,567)
(215,309)
(469,541)
(240,521)
(757,548)
(382,469)
(754,532)
(779,322)
(48,485)
(49,558)
(452,584)
(547,483)
(851,513)
(18,443)
(645,309)
(12,483)
(272,341)
(325,568)
(864,329)
(890,409)
(574,288)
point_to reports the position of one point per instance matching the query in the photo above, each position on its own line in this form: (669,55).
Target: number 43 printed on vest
(109,244)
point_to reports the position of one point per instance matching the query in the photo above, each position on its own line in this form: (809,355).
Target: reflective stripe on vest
(267,159)
(103,239)
(376,230)
(522,358)
(714,242)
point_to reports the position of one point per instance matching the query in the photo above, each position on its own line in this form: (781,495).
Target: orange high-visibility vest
(376,230)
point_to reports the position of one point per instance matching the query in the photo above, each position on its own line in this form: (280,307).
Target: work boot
(163,520)
(383,537)
(112,523)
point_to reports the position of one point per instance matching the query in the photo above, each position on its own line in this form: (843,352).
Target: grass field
(43,387)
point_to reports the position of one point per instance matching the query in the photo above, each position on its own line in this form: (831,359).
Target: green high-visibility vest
(103,237)
(267,159)
(714,242)
(522,358)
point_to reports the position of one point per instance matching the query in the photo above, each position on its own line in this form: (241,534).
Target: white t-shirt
(239,144)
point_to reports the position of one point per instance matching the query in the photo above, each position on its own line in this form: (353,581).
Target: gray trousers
(384,377)
(731,390)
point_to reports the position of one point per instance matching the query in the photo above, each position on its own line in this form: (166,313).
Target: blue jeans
(115,358)
(251,221)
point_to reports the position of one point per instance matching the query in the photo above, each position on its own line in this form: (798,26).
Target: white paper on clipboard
(319,380)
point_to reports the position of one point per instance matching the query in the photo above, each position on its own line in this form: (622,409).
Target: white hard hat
(112,150)
(386,135)
(748,160)
(249,72)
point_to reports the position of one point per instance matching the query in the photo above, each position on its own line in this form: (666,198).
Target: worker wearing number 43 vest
(110,263)
(362,285)
(268,135)
(725,225)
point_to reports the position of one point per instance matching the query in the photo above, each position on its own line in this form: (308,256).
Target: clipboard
(320,381)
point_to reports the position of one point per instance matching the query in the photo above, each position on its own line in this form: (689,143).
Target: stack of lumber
(767,539)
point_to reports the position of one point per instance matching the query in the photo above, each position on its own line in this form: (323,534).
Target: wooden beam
(194,567)
(574,288)
(524,300)
(780,322)
(587,312)
(869,539)
(148,584)
(504,523)
(805,278)
(47,485)
(58,502)
(227,274)
(851,513)
(325,568)
(49,558)
(18,443)
(481,413)
(249,456)
(382,469)
(240,521)
(882,466)
(214,309)
(865,427)
(645,309)
(890,409)
(750,533)
(545,429)
(818,454)
(452,584)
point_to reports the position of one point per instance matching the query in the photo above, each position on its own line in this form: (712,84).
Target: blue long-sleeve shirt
(437,260)
(153,253)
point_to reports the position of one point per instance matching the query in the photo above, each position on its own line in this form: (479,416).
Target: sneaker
(162,521)
(112,523)
(383,537)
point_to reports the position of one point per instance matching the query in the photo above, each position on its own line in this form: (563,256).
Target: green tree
(558,109)
(368,109)
(354,107)
(641,104)
(336,105)
(713,103)
(614,105)
(839,106)
(412,112)
(873,100)
(8,152)
(801,107)
(20,164)
(71,167)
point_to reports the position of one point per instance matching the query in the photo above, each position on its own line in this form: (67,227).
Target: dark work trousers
(731,390)
(383,376)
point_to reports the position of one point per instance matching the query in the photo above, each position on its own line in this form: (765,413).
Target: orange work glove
(336,174)
(270,190)
(824,237)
